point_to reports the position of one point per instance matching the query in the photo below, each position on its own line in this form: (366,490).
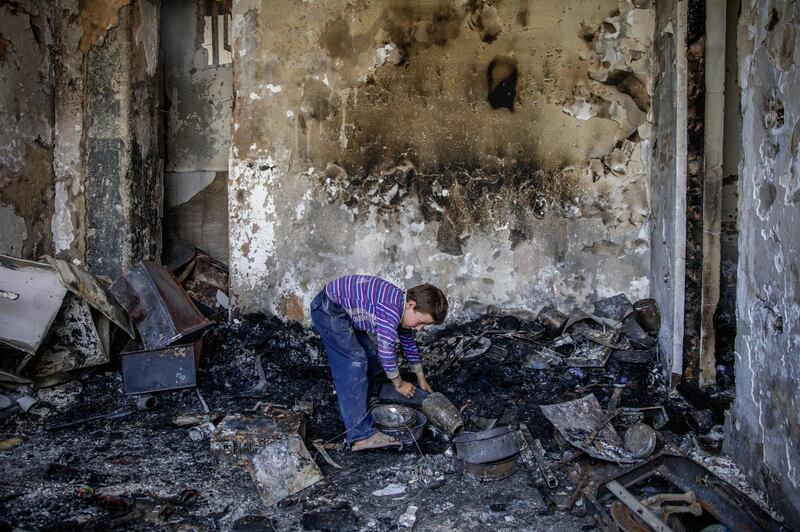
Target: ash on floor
(143,472)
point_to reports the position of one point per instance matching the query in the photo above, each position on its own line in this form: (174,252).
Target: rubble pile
(198,423)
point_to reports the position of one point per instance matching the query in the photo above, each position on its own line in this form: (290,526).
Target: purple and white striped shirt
(376,306)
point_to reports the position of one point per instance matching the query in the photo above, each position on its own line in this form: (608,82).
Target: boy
(343,313)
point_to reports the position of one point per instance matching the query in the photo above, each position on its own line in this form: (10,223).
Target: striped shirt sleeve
(386,322)
(409,345)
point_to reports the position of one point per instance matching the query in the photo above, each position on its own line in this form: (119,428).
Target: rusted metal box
(154,370)
(240,435)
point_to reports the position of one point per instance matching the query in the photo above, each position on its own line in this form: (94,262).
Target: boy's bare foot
(379,440)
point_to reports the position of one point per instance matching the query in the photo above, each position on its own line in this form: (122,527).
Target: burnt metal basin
(491,471)
(406,435)
(487,446)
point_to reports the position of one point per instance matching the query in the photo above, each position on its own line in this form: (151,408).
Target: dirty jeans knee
(349,365)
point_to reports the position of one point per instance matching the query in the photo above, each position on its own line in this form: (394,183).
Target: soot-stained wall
(764,432)
(107,159)
(497,149)
(26,136)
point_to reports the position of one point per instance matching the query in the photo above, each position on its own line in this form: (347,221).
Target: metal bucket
(647,315)
(494,471)
(487,446)
(552,319)
(442,413)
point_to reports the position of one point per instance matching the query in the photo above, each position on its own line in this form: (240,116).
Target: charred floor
(605,192)
(145,468)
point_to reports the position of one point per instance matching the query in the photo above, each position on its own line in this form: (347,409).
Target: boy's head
(425,305)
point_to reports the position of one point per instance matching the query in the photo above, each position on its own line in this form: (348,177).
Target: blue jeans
(354,364)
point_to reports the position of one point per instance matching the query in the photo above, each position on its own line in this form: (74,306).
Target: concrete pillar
(109,169)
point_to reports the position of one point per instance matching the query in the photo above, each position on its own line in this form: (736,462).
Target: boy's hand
(423,383)
(406,389)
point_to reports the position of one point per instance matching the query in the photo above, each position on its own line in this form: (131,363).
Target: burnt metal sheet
(160,369)
(617,308)
(282,468)
(12,379)
(578,419)
(25,320)
(74,340)
(90,289)
(636,335)
(158,307)
(718,498)
(239,435)
(588,354)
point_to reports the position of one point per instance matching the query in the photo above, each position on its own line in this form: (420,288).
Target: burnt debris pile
(186,421)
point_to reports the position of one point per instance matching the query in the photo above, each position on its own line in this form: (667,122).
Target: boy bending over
(344,313)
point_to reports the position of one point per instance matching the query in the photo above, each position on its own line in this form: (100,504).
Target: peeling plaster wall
(26,138)
(764,433)
(498,153)
(200,106)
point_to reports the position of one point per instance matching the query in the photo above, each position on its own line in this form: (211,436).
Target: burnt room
(421,265)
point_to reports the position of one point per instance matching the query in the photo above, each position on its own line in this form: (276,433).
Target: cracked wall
(498,154)
(26,138)
(764,426)
(199,100)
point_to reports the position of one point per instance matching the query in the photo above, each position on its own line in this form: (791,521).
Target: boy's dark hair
(429,300)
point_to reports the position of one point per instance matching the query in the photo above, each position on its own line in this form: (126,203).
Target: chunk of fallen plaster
(391,489)
(408,519)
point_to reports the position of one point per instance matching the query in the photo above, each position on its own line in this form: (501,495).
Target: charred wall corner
(472,146)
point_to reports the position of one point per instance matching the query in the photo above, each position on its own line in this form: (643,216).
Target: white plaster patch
(274,89)
(61,225)
(252,223)
(254,96)
(639,288)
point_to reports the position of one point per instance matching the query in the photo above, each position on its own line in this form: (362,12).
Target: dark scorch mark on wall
(502,77)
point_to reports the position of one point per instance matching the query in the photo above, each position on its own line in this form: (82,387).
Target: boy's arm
(386,330)
(409,344)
